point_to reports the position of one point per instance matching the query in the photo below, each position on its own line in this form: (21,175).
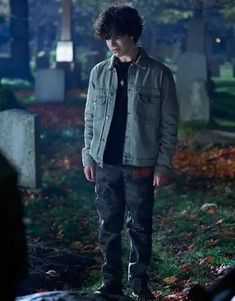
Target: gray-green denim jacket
(151,130)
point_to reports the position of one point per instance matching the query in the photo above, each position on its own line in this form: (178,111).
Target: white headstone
(226,70)
(50,85)
(191,81)
(19,138)
(199,102)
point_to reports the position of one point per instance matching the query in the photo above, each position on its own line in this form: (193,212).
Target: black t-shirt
(114,148)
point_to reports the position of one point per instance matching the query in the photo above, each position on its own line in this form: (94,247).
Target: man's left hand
(161,180)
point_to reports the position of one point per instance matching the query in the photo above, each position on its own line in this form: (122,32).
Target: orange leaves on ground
(214,162)
(58,115)
(67,162)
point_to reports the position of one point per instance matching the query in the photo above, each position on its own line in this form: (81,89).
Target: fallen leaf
(227,233)
(213,242)
(157,294)
(189,234)
(170,280)
(186,267)
(208,206)
(205,260)
(174,297)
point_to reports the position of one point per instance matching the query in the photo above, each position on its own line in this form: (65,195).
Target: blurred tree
(229,12)
(20,39)
(161,18)
(17,65)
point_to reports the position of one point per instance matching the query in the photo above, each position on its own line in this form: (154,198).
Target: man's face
(120,46)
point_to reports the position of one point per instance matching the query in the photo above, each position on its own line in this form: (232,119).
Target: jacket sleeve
(89,114)
(168,123)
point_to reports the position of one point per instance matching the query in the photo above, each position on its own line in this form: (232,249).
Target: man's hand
(89,172)
(161,180)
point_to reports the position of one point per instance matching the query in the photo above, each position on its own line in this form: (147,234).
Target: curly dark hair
(119,20)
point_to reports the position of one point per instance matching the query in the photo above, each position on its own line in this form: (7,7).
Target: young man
(130,138)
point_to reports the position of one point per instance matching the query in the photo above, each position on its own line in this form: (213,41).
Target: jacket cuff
(87,159)
(162,169)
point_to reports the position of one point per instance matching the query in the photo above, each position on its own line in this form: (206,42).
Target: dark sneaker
(110,289)
(143,295)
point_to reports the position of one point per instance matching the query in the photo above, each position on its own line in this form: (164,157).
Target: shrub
(8,100)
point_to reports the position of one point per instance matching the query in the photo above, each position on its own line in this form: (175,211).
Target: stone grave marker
(19,142)
(227,70)
(191,87)
(50,85)
(199,101)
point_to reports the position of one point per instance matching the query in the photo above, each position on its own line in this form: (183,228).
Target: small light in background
(218,40)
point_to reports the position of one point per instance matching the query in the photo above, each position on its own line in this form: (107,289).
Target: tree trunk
(20,39)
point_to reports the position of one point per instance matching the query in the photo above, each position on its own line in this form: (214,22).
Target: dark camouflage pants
(120,188)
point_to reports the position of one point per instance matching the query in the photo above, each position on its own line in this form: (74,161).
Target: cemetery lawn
(223,102)
(193,239)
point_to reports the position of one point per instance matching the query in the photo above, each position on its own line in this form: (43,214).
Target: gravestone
(199,101)
(19,139)
(227,70)
(191,87)
(50,85)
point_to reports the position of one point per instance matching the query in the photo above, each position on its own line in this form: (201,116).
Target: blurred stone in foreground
(13,259)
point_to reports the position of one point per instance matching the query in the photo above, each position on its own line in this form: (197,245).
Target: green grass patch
(60,217)
(184,234)
(187,128)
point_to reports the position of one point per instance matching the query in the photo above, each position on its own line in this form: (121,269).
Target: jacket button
(107,117)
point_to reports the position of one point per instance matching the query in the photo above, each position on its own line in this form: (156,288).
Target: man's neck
(131,56)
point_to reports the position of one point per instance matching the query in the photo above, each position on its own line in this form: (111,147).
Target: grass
(187,128)
(59,217)
(184,235)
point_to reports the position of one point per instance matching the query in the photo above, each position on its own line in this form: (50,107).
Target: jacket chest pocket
(99,108)
(148,107)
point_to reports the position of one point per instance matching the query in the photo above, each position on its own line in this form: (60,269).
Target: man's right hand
(89,172)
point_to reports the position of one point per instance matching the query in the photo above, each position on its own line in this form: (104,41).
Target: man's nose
(113,42)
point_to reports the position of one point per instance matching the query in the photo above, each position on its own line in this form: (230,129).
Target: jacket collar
(141,61)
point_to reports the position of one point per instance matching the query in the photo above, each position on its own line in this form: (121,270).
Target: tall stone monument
(65,51)
(51,84)
(191,89)
(196,37)
(192,75)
